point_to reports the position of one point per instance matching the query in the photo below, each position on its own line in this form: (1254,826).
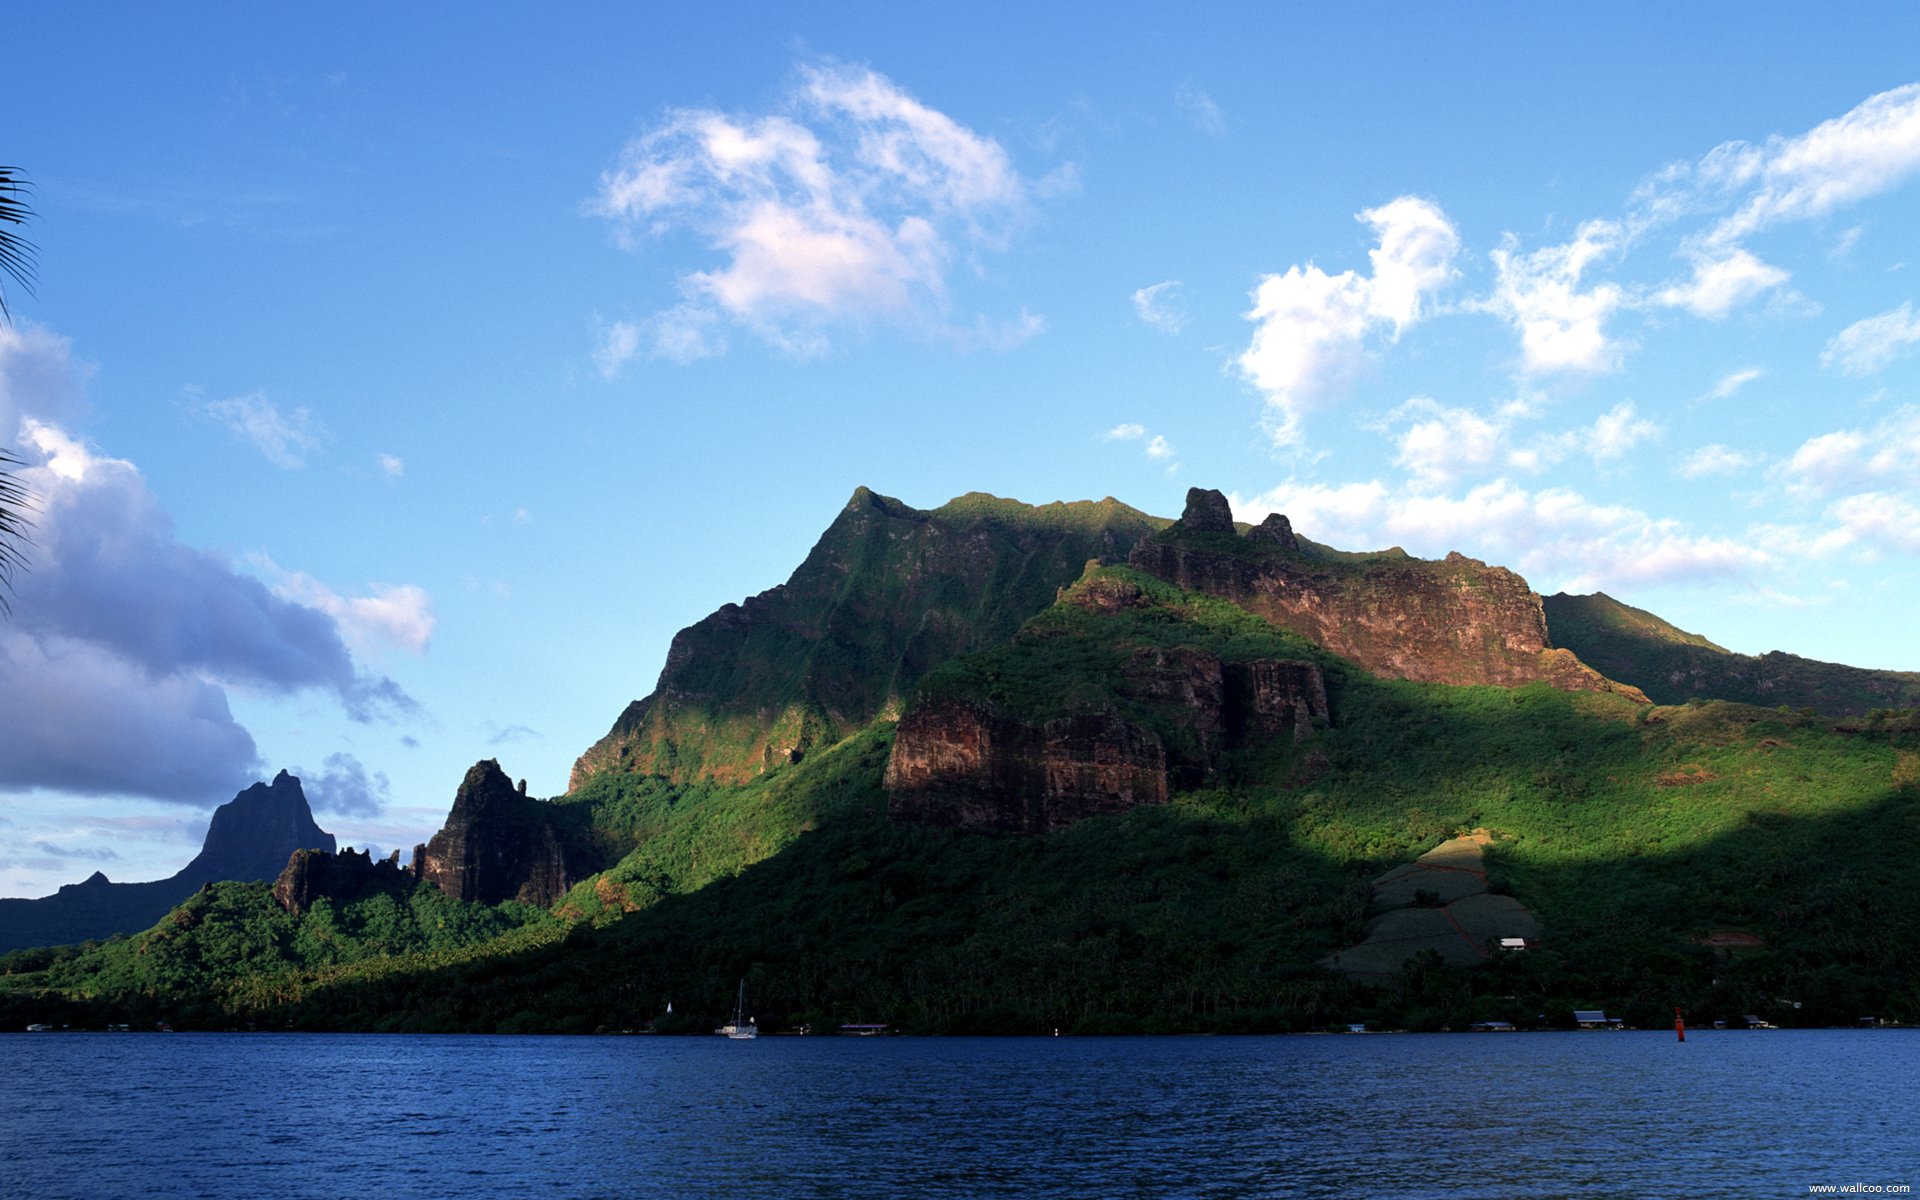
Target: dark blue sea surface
(1728,1114)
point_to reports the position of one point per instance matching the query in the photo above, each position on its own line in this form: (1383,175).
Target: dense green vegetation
(1634,833)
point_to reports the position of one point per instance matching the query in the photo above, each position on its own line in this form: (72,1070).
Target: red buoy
(1679,1024)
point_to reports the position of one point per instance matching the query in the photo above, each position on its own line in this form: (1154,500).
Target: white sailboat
(743,1025)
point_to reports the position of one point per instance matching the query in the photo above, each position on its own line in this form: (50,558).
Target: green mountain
(1671,665)
(888,593)
(1136,791)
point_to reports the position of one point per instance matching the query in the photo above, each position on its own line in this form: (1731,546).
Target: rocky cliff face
(1455,621)
(312,874)
(888,593)
(960,762)
(249,837)
(499,844)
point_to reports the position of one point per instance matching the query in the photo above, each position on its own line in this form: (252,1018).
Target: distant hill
(250,837)
(1672,666)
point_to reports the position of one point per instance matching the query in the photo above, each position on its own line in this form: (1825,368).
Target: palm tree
(16,261)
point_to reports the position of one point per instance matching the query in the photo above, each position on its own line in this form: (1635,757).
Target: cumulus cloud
(1562,309)
(391,465)
(77,717)
(1444,444)
(284,439)
(853,207)
(1125,433)
(1311,328)
(1159,448)
(1722,282)
(124,640)
(391,617)
(1616,432)
(1866,346)
(1160,306)
(1888,453)
(1714,460)
(1562,326)
(345,786)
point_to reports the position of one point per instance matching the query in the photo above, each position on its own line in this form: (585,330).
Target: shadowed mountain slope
(1671,665)
(250,837)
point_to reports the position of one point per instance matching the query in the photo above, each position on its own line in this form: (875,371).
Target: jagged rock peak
(483,777)
(1207,511)
(497,844)
(1278,530)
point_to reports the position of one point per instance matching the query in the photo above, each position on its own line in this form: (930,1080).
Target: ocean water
(1728,1114)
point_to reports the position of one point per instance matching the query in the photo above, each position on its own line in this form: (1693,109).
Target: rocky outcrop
(888,593)
(960,762)
(500,844)
(312,874)
(1454,621)
(249,838)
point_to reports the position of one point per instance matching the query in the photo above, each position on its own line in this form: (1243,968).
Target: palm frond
(15,499)
(17,254)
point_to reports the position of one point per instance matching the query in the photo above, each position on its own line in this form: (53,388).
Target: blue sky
(398,385)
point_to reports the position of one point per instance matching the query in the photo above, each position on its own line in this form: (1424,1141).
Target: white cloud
(1714,460)
(1733,381)
(1617,432)
(1562,328)
(392,465)
(1847,459)
(390,617)
(1869,150)
(1722,283)
(853,208)
(1201,110)
(1866,346)
(38,375)
(1450,443)
(1156,447)
(124,641)
(285,439)
(1874,522)
(1310,328)
(1160,306)
(1557,538)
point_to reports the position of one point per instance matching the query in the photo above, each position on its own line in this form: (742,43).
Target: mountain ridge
(250,837)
